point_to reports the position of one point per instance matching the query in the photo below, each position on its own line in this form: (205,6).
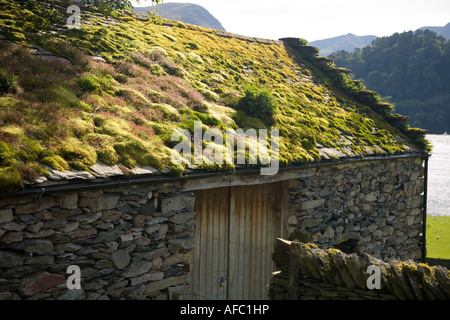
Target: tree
(258,102)
(110,7)
(411,68)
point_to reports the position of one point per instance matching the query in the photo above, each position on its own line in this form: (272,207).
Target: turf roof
(115,90)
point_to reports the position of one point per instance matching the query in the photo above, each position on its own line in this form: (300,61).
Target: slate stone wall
(373,207)
(129,243)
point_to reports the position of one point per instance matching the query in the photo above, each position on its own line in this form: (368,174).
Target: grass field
(438,237)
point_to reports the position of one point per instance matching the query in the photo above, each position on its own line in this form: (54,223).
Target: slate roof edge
(67,185)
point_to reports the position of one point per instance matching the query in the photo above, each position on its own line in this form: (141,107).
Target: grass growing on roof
(156,79)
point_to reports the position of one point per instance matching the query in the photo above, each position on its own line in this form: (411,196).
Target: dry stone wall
(371,207)
(305,272)
(129,243)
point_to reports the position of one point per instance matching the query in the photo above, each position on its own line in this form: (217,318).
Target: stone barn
(88,178)
(204,236)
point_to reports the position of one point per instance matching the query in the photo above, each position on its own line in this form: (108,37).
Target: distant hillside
(346,42)
(410,68)
(184,12)
(442,31)
(350,42)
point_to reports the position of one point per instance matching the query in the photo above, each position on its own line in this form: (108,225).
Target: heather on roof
(114,91)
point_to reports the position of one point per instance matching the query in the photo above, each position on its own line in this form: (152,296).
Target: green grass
(438,237)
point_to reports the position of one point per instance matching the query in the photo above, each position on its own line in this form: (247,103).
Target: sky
(316,20)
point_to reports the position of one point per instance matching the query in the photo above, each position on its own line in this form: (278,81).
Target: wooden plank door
(235,233)
(210,254)
(255,223)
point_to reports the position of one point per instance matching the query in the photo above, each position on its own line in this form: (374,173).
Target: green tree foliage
(409,69)
(110,7)
(303,42)
(8,82)
(258,102)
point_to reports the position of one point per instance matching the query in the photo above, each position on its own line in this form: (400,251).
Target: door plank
(235,234)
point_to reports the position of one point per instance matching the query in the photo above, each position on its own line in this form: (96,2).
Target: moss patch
(10,179)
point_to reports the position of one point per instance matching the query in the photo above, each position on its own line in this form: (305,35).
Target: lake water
(438,203)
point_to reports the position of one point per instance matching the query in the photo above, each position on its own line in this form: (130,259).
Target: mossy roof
(112,92)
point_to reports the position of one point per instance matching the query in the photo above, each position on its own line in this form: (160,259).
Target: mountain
(442,31)
(184,12)
(411,68)
(346,42)
(349,42)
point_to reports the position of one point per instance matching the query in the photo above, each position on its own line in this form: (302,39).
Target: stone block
(11,237)
(157,263)
(138,220)
(311,204)
(409,220)
(137,268)
(38,246)
(102,170)
(35,227)
(415,202)
(71,226)
(11,259)
(74,294)
(165,283)
(121,259)
(312,222)
(41,260)
(55,224)
(103,202)
(63,214)
(149,276)
(181,218)
(149,208)
(151,254)
(111,215)
(329,233)
(388,231)
(177,203)
(181,244)
(32,207)
(6,215)
(95,284)
(388,188)
(84,233)
(14,226)
(68,200)
(292,219)
(39,282)
(334,203)
(142,241)
(415,175)
(370,197)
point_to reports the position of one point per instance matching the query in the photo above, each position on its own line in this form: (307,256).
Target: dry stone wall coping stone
(307,272)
